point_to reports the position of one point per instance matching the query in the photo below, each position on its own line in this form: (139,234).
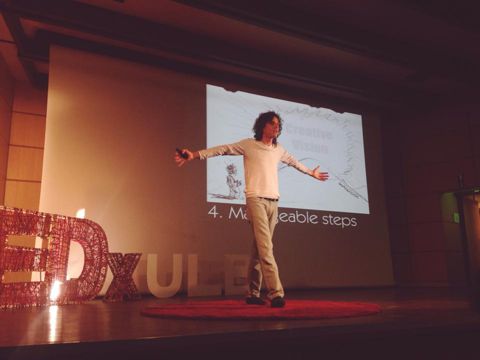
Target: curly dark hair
(262,120)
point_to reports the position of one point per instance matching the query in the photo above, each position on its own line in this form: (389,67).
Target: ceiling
(380,53)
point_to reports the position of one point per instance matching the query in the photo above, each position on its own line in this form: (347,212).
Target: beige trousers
(262,214)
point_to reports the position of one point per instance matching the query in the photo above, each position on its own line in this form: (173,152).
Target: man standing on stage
(261,156)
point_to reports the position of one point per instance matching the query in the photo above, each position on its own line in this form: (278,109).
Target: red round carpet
(238,310)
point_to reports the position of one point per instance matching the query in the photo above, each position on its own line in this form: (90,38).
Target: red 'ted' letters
(60,231)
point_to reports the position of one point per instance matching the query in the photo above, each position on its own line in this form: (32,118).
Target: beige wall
(112,127)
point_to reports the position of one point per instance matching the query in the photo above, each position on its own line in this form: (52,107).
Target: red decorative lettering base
(59,231)
(122,286)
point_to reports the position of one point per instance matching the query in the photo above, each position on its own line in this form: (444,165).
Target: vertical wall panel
(5,116)
(6,96)
(25,157)
(28,130)
(22,194)
(429,268)
(424,208)
(397,211)
(29,100)
(398,238)
(456,269)
(25,152)
(437,146)
(428,236)
(402,268)
(24,163)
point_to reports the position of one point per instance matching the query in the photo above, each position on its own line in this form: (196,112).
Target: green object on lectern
(456,217)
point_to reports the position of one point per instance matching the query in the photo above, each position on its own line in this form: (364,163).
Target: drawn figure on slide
(233,183)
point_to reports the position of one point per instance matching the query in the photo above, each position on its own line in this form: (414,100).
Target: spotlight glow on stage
(55,292)
(80,214)
(52,323)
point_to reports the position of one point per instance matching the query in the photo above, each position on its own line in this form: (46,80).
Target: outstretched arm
(316,173)
(231,149)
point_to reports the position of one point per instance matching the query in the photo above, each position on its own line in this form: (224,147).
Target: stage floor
(416,321)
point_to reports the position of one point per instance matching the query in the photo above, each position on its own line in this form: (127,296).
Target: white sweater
(261,165)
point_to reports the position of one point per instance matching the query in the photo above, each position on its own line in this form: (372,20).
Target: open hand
(317,174)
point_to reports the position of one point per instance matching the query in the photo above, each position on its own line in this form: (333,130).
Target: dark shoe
(254,300)
(277,302)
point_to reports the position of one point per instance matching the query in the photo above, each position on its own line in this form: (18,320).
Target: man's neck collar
(268,142)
